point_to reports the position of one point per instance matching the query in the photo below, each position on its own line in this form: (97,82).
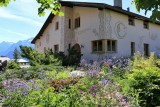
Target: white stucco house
(2,59)
(98,30)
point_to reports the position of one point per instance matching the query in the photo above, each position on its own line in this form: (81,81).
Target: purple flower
(110,72)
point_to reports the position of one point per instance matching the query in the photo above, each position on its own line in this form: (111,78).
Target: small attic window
(145,25)
(131,21)
(57,25)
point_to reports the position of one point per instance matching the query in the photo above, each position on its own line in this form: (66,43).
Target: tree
(35,58)
(16,55)
(149,5)
(52,5)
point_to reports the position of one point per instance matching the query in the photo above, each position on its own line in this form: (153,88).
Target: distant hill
(9,47)
(4,46)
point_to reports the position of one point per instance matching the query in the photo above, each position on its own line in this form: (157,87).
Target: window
(146,49)
(56,48)
(77,22)
(111,45)
(145,25)
(69,23)
(131,21)
(69,46)
(57,25)
(97,46)
(132,48)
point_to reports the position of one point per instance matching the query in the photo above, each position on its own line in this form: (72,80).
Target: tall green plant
(16,55)
(144,79)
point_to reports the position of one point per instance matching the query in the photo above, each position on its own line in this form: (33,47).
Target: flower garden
(116,82)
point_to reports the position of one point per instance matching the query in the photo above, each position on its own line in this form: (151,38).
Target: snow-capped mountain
(9,49)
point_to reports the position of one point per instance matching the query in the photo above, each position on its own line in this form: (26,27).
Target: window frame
(56,48)
(146,49)
(97,46)
(57,25)
(77,22)
(145,25)
(69,23)
(133,49)
(111,45)
(131,21)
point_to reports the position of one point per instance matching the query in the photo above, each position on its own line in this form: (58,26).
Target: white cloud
(16,33)
(7,14)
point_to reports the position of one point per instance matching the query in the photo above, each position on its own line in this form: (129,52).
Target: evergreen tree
(16,54)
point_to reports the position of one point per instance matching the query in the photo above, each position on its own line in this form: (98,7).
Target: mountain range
(7,48)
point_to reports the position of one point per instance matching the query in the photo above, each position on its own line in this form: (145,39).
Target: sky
(20,20)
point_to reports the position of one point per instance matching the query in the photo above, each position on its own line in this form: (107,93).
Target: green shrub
(13,65)
(144,79)
(72,58)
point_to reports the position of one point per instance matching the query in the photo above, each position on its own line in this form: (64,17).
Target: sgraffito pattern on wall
(105,29)
(120,30)
(153,36)
(101,24)
(108,27)
(95,32)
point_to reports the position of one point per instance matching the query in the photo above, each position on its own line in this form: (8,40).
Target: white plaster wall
(99,24)
(55,36)
(89,31)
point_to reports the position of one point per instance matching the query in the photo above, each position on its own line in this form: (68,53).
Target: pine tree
(16,55)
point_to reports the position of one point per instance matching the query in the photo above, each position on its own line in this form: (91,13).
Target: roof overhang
(100,6)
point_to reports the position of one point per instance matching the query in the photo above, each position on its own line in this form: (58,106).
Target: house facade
(98,31)
(2,59)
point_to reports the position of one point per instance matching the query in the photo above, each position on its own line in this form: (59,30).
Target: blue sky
(20,20)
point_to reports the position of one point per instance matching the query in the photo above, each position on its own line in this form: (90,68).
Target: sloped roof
(22,61)
(92,5)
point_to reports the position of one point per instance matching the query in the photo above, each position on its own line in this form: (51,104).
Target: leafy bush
(144,79)
(13,65)
(73,57)
(65,83)
(35,58)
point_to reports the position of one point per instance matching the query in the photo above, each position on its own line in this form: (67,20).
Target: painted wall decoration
(153,36)
(108,26)
(105,29)
(141,39)
(95,32)
(120,30)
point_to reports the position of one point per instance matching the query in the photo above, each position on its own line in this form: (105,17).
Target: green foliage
(16,55)
(73,57)
(36,72)
(149,5)
(35,58)
(144,79)
(51,5)
(53,86)
(49,58)
(65,83)
(13,65)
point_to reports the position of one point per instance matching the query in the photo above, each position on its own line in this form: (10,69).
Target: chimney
(118,3)
(128,9)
